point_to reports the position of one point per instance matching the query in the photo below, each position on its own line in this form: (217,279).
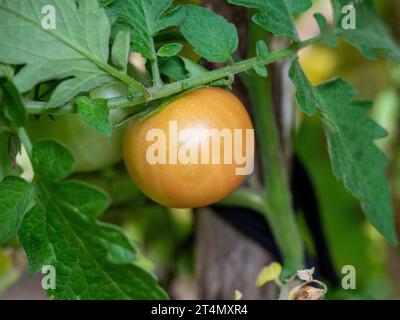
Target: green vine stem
(26,142)
(155,70)
(155,93)
(278,209)
(278,196)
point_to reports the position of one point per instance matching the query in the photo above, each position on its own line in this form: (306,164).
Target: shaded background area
(204,255)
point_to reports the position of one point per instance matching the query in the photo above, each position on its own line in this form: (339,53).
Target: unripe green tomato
(91,149)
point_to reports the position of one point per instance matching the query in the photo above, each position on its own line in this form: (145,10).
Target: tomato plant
(163,118)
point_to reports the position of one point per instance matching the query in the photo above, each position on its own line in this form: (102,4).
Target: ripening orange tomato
(194,152)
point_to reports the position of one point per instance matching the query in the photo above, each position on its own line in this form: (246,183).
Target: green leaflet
(305,95)
(371,36)
(120,49)
(6,71)
(179,68)
(324,28)
(51,161)
(211,35)
(104,3)
(261,49)
(11,104)
(96,114)
(145,18)
(170,50)
(260,69)
(92,259)
(298,6)
(174,68)
(355,158)
(276,15)
(15,195)
(351,135)
(76,49)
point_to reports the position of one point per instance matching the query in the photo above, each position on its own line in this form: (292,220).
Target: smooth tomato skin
(186,185)
(91,149)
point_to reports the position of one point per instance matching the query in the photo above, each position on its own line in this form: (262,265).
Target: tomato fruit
(91,149)
(178,182)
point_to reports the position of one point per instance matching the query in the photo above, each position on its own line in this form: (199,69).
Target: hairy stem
(155,70)
(26,142)
(35,107)
(280,214)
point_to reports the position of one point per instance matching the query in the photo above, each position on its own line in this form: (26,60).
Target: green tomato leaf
(179,68)
(11,103)
(6,71)
(52,161)
(15,195)
(351,134)
(193,68)
(105,3)
(96,114)
(211,35)
(276,15)
(74,47)
(92,259)
(261,49)
(174,17)
(145,18)
(371,36)
(323,26)
(356,159)
(298,6)
(173,68)
(120,49)
(321,21)
(170,50)
(260,69)
(306,96)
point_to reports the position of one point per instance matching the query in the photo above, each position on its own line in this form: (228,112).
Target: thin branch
(36,107)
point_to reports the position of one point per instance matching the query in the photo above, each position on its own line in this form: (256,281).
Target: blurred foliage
(9,272)
(350,238)
(357,245)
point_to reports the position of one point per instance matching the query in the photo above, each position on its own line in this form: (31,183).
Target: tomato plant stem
(155,70)
(157,92)
(26,142)
(279,211)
